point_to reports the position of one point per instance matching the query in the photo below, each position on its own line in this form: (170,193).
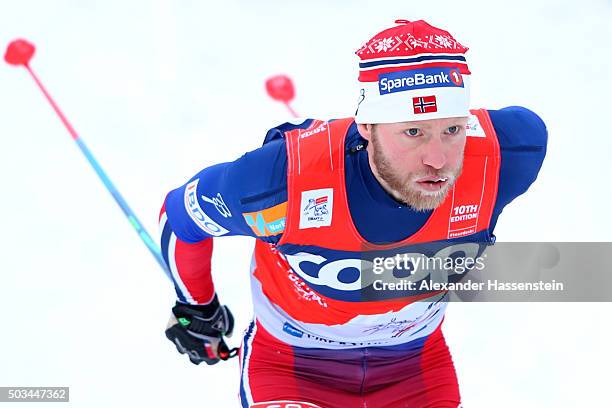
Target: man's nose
(434,154)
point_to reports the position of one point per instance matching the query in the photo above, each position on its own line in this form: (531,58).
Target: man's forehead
(433,122)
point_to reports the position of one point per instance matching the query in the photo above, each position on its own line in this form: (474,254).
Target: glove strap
(206,311)
(226,355)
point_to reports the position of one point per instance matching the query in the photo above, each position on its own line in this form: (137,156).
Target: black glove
(198,330)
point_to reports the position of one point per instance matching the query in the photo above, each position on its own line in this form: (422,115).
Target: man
(415,172)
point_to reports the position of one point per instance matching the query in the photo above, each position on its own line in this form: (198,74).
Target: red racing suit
(324,333)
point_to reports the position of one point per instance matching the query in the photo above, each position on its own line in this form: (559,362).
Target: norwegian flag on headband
(424,104)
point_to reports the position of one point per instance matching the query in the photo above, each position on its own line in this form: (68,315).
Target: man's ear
(365,130)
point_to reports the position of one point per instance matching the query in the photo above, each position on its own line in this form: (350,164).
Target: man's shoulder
(519,128)
(262,172)
(522,137)
(277,132)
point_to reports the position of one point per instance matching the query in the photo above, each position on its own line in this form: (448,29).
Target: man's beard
(401,185)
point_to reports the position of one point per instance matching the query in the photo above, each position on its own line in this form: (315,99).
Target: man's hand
(198,331)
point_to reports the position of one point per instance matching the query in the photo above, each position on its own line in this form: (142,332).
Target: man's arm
(217,202)
(222,200)
(244,197)
(523,139)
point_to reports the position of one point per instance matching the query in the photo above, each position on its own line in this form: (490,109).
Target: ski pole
(19,52)
(281,89)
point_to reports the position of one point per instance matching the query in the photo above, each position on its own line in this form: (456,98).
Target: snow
(161,89)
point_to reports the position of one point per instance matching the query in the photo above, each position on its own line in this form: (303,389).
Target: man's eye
(412,132)
(453,129)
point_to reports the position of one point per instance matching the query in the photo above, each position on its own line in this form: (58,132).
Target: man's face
(417,162)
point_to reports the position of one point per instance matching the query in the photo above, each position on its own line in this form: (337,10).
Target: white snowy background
(160,89)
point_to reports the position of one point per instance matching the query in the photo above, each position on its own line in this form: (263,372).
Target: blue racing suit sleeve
(244,197)
(232,198)
(522,139)
(210,204)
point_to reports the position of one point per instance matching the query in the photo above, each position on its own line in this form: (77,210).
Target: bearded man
(415,171)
